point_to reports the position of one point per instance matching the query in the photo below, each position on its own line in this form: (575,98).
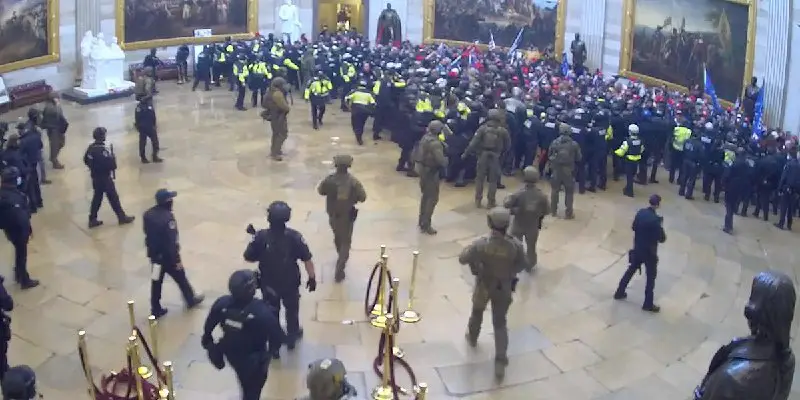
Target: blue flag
(758,115)
(710,91)
(515,44)
(564,65)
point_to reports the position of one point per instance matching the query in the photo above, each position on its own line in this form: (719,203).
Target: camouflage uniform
(342,192)
(490,142)
(563,155)
(430,160)
(327,380)
(495,260)
(529,206)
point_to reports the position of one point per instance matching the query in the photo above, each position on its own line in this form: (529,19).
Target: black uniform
(648,232)
(151,63)
(163,249)
(789,192)
(145,122)
(738,180)
(181,58)
(6,305)
(102,163)
(15,220)
(203,69)
(247,325)
(30,146)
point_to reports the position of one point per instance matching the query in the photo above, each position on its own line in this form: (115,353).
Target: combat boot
(500,364)
(428,230)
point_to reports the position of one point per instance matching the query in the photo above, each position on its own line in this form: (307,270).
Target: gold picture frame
(252,27)
(626,56)
(53,44)
(429,15)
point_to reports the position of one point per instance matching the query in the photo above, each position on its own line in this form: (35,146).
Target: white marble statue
(115,50)
(103,66)
(289,17)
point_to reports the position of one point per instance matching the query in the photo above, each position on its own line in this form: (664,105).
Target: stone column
(593,25)
(774,74)
(87,18)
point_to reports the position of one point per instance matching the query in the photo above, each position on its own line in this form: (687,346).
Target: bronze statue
(759,366)
(390,29)
(578,49)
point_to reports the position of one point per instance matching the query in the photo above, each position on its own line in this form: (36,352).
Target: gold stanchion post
(87,369)
(153,323)
(378,309)
(421,391)
(132,316)
(133,352)
(385,391)
(168,392)
(379,321)
(411,316)
(396,350)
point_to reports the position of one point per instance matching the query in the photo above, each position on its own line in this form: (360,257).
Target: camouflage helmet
(326,378)
(498,218)
(343,160)
(565,129)
(494,115)
(435,127)
(530,174)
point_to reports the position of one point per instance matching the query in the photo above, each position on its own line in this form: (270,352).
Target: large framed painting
(145,24)
(673,43)
(28,33)
(466,21)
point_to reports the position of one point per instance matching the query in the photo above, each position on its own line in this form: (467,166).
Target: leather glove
(207,341)
(311,284)
(250,229)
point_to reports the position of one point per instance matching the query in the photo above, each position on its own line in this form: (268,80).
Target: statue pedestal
(102,81)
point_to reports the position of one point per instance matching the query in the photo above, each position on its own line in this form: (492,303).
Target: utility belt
(363,108)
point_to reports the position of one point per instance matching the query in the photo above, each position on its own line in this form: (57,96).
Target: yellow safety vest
(679,136)
(424,105)
(463,110)
(241,71)
(631,148)
(360,96)
(347,71)
(318,88)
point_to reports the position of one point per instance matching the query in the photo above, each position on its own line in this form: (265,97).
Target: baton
(113,171)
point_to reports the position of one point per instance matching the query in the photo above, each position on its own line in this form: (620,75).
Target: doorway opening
(341,15)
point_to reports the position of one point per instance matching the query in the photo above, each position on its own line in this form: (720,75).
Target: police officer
(30,147)
(495,260)
(161,239)
(145,123)
(713,167)
(15,220)
(102,163)
(679,137)
(258,80)
(19,383)
(276,250)
(562,156)
(150,64)
(547,134)
(327,380)
(347,73)
(430,159)
(631,151)
(692,157)
(181,59)
(648,232)
(248,325)
(317,92)
(342,192)
(361,104)
(489,143)
(240,72)
(529,206)
(6,306)
(738,179)
(789,191)
(600,134)
(203,69)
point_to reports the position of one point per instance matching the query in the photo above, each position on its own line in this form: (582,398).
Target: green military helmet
(343,160)
(499,218)
(530,174)
(494,114)
(435,127)
(326,378)
(565,129)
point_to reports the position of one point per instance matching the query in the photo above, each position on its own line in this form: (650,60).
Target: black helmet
(9,175)
(33,114)
(99,134)
(19,383)
(279,212)
(242,285)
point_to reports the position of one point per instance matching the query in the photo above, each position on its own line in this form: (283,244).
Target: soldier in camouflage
(327,380)
(529,206)
(563,155)
(495,260)
(430,160)
(490,141)
(342,192)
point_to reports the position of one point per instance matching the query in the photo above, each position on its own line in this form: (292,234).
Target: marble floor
(569,339)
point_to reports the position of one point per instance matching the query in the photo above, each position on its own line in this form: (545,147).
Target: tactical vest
(491,139)
(233,323)
(634,147)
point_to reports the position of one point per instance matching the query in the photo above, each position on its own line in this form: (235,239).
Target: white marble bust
(87,43)
(289,21)
(100,50)
(114,50)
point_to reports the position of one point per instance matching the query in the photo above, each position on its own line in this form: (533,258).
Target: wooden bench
(166,71)
(28,94)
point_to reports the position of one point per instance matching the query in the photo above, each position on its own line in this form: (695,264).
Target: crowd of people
(458,114)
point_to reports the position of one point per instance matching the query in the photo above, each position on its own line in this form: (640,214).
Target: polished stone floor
(569,339)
